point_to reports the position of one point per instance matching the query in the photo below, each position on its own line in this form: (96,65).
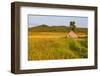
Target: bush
(74,45)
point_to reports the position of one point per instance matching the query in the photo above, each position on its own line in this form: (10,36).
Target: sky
(34,20)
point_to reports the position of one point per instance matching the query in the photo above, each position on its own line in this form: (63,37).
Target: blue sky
(34,20)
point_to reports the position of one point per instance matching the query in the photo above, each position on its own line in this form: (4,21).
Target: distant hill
(62,28)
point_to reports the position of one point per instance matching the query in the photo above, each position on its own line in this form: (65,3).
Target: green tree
(72,26)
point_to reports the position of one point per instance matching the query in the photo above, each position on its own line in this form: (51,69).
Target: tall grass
(57,48)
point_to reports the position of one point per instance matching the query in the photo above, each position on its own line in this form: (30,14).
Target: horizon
(53,25)
(50,20)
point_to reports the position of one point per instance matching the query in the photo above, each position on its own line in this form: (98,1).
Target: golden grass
(52,45)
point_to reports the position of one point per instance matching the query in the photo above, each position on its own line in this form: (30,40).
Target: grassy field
(53,45)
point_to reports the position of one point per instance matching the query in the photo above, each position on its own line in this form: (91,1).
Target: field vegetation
(51,42)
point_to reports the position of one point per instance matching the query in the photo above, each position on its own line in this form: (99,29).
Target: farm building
(72,34)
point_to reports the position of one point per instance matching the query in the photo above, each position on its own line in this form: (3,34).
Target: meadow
(55,45)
